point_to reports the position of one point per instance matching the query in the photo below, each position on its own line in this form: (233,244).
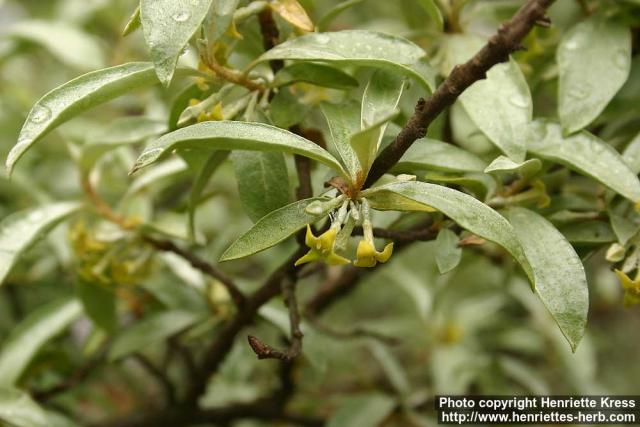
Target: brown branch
(199,264)
(265,351)
(231,76)
(506,41)
(270,36)
(159,376)
(82,373)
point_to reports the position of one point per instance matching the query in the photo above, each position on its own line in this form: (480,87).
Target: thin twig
(159,376)
(506,41)
(231,76)
(350,334)
(265,351)
(199,264)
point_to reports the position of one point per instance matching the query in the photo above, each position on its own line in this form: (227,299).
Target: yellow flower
(322,248)
(631,289)
(368,256)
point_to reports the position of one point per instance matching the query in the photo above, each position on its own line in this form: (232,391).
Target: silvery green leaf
(26,339)
(427,154)
(159,174)
(465,210)
(448,253)
(18,409)
(480,184)
(631,154)
(213,162)
(168,25)
(501,107)
(315,74)
(458,48)
(355,47)
(586,154)
(367,410)
(344,121)
(286,110)
(560,278)
(392,367)
(594,59)
(263,182)
(182,100)
(273,229)
(149,330)
(70,44)
(365,143)
(22,229)
(504,165)
(235,135)
(434,12)
(219,19)
(133,23)
(589,233)
(72,98)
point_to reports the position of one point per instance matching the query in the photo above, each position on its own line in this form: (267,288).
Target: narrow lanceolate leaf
(434,12)
(501,107)
(17,409)
(150,330)
(356,47)
(20,230)
(325,22)
(467,211)
(559,275)
(273,229)
(344,121)
(75,97)
(213,162)
(133,23)
(26,339)
(263,182)
(504,165)
(428,154)
(168,25)
(231,135)
(586,154)
(292,12)
(316,74)
(631,154)
(219,19)
(70,45)
(594,60)
(365,143)
(448,253)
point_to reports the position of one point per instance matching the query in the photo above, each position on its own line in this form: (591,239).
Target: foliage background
(477,329)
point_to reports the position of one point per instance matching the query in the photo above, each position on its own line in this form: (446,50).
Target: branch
(230,75)
(199,264)
(506,41)
(265,351)
(270,36)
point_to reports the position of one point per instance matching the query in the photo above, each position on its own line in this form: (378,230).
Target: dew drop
(181,17)
(519,101)
(576,41)
(621,59)
(323,39)
(579,92)
(40,114)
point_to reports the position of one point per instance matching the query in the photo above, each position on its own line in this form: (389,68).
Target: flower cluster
(325,246)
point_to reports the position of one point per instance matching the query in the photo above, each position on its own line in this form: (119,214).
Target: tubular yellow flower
(631,288)
(321,248)
(368,256)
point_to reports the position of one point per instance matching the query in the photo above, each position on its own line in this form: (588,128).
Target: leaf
(212,163)
(70,45)
(150,330)
(26,339)
(220,19)
(75,97)
(325,21)
(392,368)
(434,12)
(293,12)
(22,229)
(502,164)
(631,154)
(594,60)
(448,253)
(426,154)
(133,23)
(124,131)
(235,135)
(99,304)
(465,210)
(586,154)
(285,109)
(367,410)
(480,184)
(18,409)
(365,143)
(182,100)
(344,121)
(263,182)
(560,278)
(589,233)
(315,74)
(354,47)
(273,229)
(158,174)
(168,25)
(501,107)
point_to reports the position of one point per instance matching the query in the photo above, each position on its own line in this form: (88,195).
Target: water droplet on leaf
(40,114)
(181,17)
(323,39)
